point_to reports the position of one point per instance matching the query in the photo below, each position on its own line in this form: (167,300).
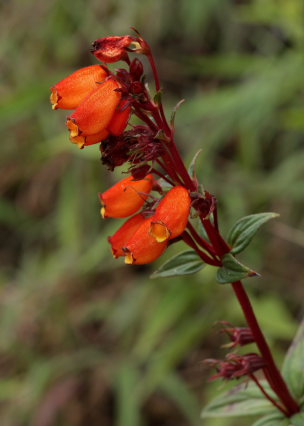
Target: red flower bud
(124,233)
(142,248)
(171,216)
(111,49)
(136,69)
(96,112)
(141,171)
(126,197)
(71,91)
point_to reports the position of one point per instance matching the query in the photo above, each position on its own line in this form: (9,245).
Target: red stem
(200,240)
(272,372)
(145,118)
(158,89)
(266,394)
(277,382)
(166,163)
(156,172)
(220,247)
(207,259)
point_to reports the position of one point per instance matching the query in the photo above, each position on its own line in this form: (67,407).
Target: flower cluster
(144,236)
(103,102)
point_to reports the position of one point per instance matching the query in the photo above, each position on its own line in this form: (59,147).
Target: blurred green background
(84,339)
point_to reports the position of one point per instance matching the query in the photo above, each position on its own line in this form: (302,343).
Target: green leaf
(172,118)
(293,367)
(243,400)
(245,228)
(128,403)
(158,97)
(297,419)
(233,270)
(192,168)
(185,263)
(275,419)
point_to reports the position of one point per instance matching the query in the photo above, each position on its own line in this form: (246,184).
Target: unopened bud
(136,69)
(111,49)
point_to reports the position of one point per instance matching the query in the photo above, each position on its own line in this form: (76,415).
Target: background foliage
(85,339)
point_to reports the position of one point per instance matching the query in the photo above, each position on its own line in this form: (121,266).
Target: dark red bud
(141,171)
(136,69)
(203,204)
(137,88)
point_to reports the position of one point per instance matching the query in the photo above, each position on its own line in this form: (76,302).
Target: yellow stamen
(78,140)
(73,128)
(160,232)
(54,98)
(103,212)
(129,258)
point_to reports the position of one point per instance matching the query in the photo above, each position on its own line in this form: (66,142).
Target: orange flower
(83,141)
(171,216)
(111,49)
(120,119)
(124,233)
(95,113)
(71,91)
(142,248)
(126,197)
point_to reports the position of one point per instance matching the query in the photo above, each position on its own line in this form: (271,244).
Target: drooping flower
(142,248)
(124,233)
(171,216)
(125,197)
(98,115)
(72,90)
(111,49)
(120,118)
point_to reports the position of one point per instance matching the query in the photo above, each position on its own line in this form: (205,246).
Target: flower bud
(136,69)
(171,216)
(142,248)
(126,197)
(95,113)
(140,172)
(111,49)
(124,233)
(72,90)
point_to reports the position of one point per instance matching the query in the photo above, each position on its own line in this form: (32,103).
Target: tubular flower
(126,197)
(72,90)
(111,49)
(124,233)
(100,112)
(120,119)
(171,216)
(82,141)
(142,248)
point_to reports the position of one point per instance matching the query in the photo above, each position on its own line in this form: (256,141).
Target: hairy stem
(276,380)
